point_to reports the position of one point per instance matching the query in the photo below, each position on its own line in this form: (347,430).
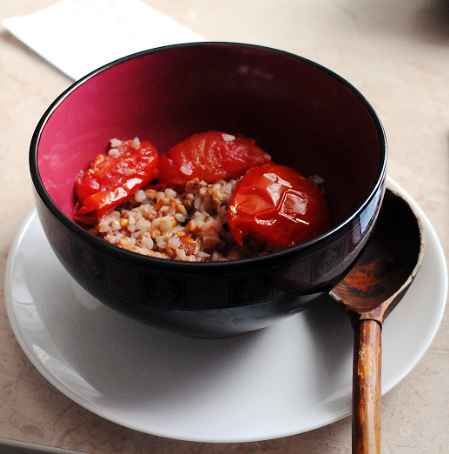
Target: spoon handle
(366,399)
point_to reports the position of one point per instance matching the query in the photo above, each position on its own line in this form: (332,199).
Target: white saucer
(286,379)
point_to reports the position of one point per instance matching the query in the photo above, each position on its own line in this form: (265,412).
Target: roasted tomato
(113,177)
(277,205)
(210,156)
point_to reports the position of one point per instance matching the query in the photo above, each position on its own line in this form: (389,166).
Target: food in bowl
(212,197)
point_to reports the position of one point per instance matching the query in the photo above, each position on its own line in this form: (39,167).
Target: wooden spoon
(371,290)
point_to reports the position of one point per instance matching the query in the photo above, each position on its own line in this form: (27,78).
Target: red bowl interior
(303,115)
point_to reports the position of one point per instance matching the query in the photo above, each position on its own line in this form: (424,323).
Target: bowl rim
(115,251)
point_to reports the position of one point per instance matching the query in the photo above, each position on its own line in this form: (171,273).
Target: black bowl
(304,115)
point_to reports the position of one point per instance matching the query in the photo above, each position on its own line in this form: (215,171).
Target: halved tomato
(210,156)
(277,205)
(113,178)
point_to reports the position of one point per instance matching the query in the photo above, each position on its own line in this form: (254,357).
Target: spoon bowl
(369,292)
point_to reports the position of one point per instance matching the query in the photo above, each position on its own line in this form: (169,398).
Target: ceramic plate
(290,378)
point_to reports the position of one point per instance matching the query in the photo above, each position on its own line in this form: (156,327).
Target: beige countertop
(397,55)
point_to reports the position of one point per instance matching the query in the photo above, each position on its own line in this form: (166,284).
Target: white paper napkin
(78,36)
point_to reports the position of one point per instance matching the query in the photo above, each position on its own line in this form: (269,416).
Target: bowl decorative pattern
(162,289)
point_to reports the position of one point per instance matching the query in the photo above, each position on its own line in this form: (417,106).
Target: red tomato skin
(277,205)
(210,157)
(111,180)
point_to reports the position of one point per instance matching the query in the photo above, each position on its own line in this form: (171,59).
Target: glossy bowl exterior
(305,116)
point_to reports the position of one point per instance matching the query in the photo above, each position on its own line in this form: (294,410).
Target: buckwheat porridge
(190,226)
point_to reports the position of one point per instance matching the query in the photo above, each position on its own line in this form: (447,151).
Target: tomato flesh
(210,157)
(277,205)
(113,178)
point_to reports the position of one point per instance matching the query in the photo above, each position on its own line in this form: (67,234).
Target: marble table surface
(397,55)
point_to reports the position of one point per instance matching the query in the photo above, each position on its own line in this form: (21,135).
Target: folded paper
(78,36)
